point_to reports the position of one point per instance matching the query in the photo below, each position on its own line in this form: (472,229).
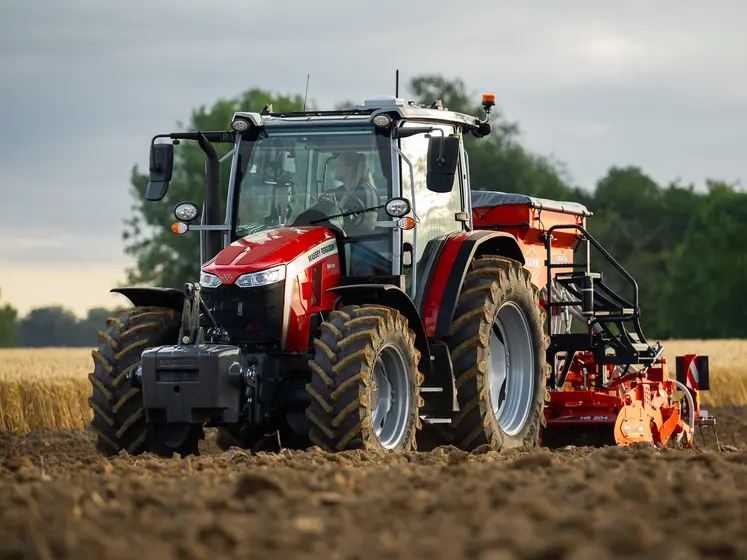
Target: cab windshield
(301,175)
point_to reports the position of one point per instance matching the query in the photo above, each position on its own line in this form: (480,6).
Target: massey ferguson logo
(226,278)
(322,251)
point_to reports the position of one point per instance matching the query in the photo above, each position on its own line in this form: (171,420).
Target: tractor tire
(118,415)
(498,316)
(365,382)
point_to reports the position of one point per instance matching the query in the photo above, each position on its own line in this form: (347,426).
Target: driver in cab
(357,191)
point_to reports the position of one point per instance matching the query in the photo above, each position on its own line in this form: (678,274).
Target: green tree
(161,257)
(641,224)
(709,269)
(8,317)
(625,201)
(49,327)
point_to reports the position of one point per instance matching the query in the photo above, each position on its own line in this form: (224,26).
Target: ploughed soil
(59,499)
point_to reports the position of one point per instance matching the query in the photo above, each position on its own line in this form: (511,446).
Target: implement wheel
(118,414)
(365,382)
(498,350)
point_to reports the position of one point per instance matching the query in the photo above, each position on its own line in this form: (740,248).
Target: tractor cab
(386,178)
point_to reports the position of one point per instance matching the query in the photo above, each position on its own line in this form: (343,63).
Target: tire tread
(489,281)
(118,417)
(341,370)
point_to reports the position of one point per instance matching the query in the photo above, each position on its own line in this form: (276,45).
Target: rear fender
(448,276)
(391,296)
(153,297)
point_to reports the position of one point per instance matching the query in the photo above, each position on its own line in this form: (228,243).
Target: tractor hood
(267,249)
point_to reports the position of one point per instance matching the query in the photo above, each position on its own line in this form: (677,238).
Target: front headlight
(209,280)
(262,278)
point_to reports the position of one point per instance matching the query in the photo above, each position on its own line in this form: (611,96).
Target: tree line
(684,247)
(50,326)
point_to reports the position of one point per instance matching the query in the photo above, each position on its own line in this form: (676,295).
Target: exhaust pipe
(210,240)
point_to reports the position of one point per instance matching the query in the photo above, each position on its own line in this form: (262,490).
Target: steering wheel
(353,204)
(325,205)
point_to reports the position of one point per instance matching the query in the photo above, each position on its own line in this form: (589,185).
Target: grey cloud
(86,84)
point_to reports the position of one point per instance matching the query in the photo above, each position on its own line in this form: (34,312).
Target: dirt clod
(251,484)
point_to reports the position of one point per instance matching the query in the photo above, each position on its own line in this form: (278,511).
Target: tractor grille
(250,315)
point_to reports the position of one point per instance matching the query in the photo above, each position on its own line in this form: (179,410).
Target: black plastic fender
(148,296)
(391,296)
(480,242)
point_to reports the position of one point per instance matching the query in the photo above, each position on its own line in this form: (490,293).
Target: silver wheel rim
(511,368)
(391,397)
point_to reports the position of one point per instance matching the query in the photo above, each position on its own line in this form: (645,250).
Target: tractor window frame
(245,149)
(376,248)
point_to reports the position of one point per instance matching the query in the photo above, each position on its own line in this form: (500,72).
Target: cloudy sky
(86,84)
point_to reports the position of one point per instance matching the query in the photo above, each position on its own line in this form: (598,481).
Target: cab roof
(389,105)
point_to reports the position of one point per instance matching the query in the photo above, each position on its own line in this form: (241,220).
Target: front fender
(149,296)
(391,296)
(448,276)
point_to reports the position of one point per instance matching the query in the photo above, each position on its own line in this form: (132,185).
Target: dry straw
(49,388)
(44,388)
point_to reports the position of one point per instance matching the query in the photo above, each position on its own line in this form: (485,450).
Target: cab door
(438,213)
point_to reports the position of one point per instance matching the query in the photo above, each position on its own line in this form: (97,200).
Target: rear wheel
(118,414)
(498,349)
(364,387)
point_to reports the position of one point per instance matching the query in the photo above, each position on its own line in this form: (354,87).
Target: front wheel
(365,383)
(118,414)
(498,348)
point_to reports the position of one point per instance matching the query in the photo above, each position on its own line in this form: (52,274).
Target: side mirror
(161,166)
(443,157)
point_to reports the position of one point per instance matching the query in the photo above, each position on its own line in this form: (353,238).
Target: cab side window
(436,210)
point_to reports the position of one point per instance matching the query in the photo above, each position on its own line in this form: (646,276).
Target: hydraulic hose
(690,404)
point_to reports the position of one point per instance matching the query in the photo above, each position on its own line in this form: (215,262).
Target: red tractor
(358,294)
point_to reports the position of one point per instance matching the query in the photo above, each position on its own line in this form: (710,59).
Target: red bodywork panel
(312,267)
(264,250)
(438,281)
(512,216)
(529,238)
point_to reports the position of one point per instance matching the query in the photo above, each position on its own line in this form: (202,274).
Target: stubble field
(59,499)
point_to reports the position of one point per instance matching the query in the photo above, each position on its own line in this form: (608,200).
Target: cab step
(434,420)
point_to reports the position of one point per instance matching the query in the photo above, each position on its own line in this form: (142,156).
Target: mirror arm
(211,203)
(153,140)
(406,132)
(153,143)
(441,159)
(414,285)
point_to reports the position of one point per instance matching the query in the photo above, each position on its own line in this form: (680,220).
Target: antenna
(306,95)
(396,84)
